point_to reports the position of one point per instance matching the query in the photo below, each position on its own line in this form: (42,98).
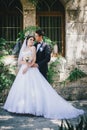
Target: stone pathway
(10,121)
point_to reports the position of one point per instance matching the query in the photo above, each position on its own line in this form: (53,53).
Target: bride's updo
(28,37)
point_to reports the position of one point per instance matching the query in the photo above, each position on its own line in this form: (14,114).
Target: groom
(43,53)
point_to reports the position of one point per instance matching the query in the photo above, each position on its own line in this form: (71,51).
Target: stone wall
(76,34)
(75,51)
(76,90)
(29,14)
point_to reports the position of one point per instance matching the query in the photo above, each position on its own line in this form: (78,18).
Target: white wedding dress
(32,94)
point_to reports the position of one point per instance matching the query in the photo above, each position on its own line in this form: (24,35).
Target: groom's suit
(43,57)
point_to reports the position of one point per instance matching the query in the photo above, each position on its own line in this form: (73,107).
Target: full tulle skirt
(32,94)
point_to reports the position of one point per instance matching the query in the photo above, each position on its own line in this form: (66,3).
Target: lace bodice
(28,54)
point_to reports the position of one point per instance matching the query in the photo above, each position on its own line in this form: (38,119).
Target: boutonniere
(41,49)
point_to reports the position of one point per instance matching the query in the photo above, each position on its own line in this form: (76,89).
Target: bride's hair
(28,37)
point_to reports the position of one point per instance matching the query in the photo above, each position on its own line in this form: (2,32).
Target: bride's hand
(25,70)
(22,62)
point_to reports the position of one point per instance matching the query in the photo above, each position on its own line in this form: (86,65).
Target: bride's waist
(24,65)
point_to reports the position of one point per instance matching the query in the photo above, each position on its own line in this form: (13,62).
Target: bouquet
(27,59)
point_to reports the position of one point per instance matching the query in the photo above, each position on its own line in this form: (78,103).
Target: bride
(32,94)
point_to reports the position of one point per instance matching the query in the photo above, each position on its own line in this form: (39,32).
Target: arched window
(11,19)
(50,17)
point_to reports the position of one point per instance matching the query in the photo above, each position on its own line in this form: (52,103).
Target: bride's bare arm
(33,60)
(33,56)
(22,62)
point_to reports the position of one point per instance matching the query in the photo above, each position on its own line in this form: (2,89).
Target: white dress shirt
(38,46)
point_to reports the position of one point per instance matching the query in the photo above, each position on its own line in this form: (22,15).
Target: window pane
(10,19)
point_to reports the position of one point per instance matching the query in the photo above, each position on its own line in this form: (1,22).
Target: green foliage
(49,42)
(61,127)
(69,125)
(30,31)
(27,31)
(2,42)
(6,77)
(20,36)
(82,124)
(51,70)
(76,74)
(5,47)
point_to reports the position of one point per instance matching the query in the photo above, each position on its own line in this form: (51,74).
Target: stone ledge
(81,62)
(74,93)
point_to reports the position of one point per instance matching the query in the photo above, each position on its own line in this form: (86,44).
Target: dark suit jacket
(43,57)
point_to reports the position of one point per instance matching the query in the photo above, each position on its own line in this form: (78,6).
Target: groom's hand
(35,65)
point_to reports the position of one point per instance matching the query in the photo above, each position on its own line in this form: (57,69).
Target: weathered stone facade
(29,14)
(75,31)
(76,34)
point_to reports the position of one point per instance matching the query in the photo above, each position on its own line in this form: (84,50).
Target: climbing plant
(76,74)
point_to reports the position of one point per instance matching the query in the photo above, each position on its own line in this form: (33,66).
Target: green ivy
(76,74)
